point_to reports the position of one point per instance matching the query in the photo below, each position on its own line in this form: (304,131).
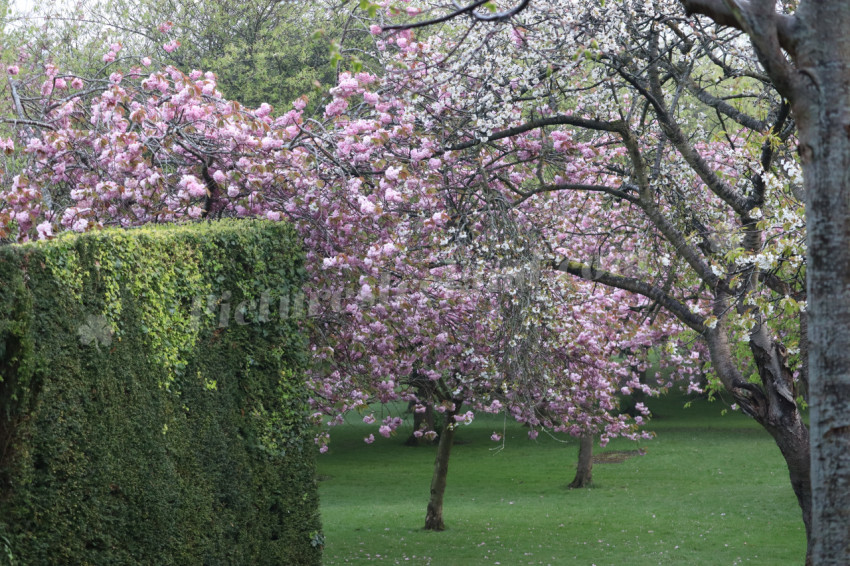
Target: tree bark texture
(822,106)
(584,467)
(434,513)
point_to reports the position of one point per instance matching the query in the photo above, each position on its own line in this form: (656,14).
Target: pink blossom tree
(685,191)
(423,293)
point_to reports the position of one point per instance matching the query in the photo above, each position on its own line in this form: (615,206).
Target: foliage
(261,51)
(152,402)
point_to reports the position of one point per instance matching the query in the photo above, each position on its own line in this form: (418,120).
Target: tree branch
(578,187)
(25,122)
(725,108)
(674,133)
(470,9)
(560,120)
(591,273)
(722,14)
(667,229)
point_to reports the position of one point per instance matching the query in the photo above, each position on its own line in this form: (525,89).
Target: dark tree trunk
(584,467)
(779,415)
(792,437)
(425,418)
(434,514)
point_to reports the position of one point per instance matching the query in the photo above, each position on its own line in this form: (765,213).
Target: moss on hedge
(152,407)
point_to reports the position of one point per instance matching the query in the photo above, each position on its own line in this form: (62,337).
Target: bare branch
(578,187)
(26,122)
(722,13)
(471,10)
(725,108)
(500,16)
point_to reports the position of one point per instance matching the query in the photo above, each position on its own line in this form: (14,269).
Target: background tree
(584,466)
(261,51)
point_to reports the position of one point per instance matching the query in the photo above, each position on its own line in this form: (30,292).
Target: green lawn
(711,489)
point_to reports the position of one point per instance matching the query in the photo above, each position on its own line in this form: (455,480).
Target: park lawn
(711,489)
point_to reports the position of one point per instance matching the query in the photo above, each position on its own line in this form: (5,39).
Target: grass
(710,489)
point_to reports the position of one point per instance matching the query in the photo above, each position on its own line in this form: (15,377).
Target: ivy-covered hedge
(152,408)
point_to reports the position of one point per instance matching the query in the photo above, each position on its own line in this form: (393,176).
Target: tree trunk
(823,116)
(584,468)
(426,418)
(779,415)
(792,437)
(434,514)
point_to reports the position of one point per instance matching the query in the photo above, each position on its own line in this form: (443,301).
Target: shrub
(152,407)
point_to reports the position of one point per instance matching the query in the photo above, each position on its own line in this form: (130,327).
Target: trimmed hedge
(152,407)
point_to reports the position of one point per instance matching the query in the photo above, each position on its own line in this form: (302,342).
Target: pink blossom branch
(591,273)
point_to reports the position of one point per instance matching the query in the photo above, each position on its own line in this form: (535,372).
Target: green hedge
(152,407)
